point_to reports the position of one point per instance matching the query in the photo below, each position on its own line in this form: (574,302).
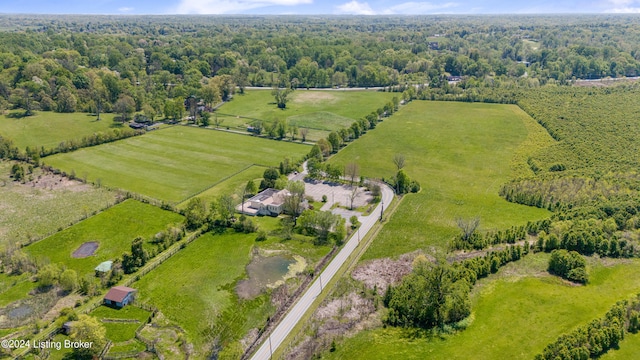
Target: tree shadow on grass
(419,333)
(19,115)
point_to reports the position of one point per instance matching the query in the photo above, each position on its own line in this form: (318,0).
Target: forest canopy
(75,63)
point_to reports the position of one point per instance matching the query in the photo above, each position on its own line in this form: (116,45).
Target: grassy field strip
(49,209)
(174,163)
(346,268)
(322,111)
(113,230)
(48,129)
(460,154)
(183,201)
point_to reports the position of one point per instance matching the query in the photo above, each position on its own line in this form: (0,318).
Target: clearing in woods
(48,129)
(320,111)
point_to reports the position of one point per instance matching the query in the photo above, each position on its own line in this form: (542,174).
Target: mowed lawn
(515,316)
(114,230)
(174,163)
(460,154)
(233,185)
(321,111)
(48,129)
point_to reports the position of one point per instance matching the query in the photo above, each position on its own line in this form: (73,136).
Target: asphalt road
(296,312)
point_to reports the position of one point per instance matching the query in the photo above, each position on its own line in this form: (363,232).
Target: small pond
(262,271)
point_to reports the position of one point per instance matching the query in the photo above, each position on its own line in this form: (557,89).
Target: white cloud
(408,8)
(125,9)
(230,6)
(625,10)
(620,2)
(412,7)
(622,6)
(355,8)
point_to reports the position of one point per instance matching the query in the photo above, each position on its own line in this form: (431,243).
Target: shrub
(569,265)
(262,236)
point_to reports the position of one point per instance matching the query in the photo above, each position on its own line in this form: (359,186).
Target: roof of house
(104,266)
(118,293)
(270,197)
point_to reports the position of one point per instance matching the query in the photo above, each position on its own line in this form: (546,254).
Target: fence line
(220,181)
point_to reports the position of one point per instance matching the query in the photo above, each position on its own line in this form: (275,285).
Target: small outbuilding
(119,296)
(67,327)
(103,268)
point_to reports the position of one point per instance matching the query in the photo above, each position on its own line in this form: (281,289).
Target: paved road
(300,308)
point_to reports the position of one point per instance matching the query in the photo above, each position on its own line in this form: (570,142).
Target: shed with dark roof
(119,296)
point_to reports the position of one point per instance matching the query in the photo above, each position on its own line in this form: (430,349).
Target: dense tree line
(437,294)
(599,336)
(75,63)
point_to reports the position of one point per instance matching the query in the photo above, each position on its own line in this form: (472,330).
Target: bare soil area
(57,182)
(336,318)
(380,273)
(85,250)
(313,97)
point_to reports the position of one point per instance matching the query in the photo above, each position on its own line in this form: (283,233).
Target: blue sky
(358,7)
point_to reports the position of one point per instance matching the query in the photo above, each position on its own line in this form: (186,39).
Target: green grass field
(629,349)
(233,185)
(13,288)
(119,332)
(28,211)
(460,154)
(195,287)
(174,163)
(516,314)
(48,128)
(320,111)
(113,229)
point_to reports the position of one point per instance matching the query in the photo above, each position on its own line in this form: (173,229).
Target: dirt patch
(66,302)
(462,255)
(85,250)
(314,97)
(381,273)
(606,82)
(57,182)
(249,339)
(337,318)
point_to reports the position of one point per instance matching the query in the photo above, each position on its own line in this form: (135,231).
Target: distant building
(433,45)
(119,296)
(267,202)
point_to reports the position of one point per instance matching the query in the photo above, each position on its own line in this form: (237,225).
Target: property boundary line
(219,182)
